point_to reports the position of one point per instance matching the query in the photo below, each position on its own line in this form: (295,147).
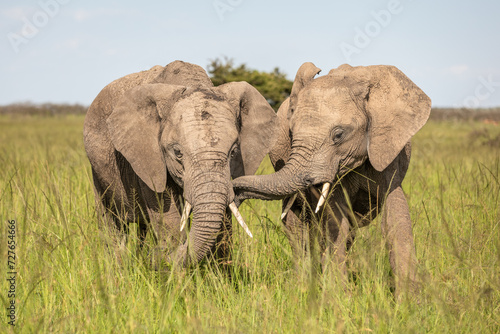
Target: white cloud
(81,15)
(70,44)
(458,69)
(110,52)
(17,13)
(73,43)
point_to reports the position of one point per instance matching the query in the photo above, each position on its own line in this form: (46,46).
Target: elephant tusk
(288,206)
(324,194)
(239,218)
(185,214)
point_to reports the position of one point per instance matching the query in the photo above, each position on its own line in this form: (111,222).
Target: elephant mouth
(232,206)
(319,190)
(321,196)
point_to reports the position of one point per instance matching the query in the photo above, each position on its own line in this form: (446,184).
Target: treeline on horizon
(54,109)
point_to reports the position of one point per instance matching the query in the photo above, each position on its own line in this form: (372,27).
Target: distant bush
(465,114)
(274,86)
(45,109)
(53,109)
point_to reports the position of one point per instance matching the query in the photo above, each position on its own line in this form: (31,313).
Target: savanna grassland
(66,281)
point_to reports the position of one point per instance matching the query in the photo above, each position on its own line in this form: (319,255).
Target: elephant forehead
(213,138)
(205,123)
(204,111)
(333,104)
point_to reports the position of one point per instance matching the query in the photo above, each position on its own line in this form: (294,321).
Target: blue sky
(68,50)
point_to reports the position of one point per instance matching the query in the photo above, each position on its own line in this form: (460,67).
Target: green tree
(274,86)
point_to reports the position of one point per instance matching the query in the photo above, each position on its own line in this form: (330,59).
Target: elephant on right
(344,146)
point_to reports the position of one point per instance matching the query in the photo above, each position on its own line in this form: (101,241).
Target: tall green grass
(68,283)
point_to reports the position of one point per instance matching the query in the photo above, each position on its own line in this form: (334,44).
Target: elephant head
(199,136)
(334,123)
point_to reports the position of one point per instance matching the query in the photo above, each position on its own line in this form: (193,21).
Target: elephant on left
(161,137)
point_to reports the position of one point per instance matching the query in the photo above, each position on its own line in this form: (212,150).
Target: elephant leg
(338,232)
(112,225)
(165,228)
(397,230)
(165,223)
(162,221)
(317,245)
(142,232)
(224,241)
(297,233)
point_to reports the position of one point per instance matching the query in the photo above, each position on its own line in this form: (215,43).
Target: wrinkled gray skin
(352,125)
(165,135)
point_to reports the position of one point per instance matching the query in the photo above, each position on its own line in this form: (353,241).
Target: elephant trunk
(209,203)
(287,181)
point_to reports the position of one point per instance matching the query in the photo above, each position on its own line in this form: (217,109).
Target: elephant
(167,135)
(350,128)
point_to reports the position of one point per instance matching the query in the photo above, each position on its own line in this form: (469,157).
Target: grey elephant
(164,136)
(351,128)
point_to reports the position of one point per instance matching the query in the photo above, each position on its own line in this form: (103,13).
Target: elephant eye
(337,135)
(177,153)
(234,151)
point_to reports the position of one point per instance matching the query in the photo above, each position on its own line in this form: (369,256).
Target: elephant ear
(304,76)
(134,127)
(397,109)
(258,123)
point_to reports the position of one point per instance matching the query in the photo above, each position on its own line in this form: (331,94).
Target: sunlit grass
(67,282)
